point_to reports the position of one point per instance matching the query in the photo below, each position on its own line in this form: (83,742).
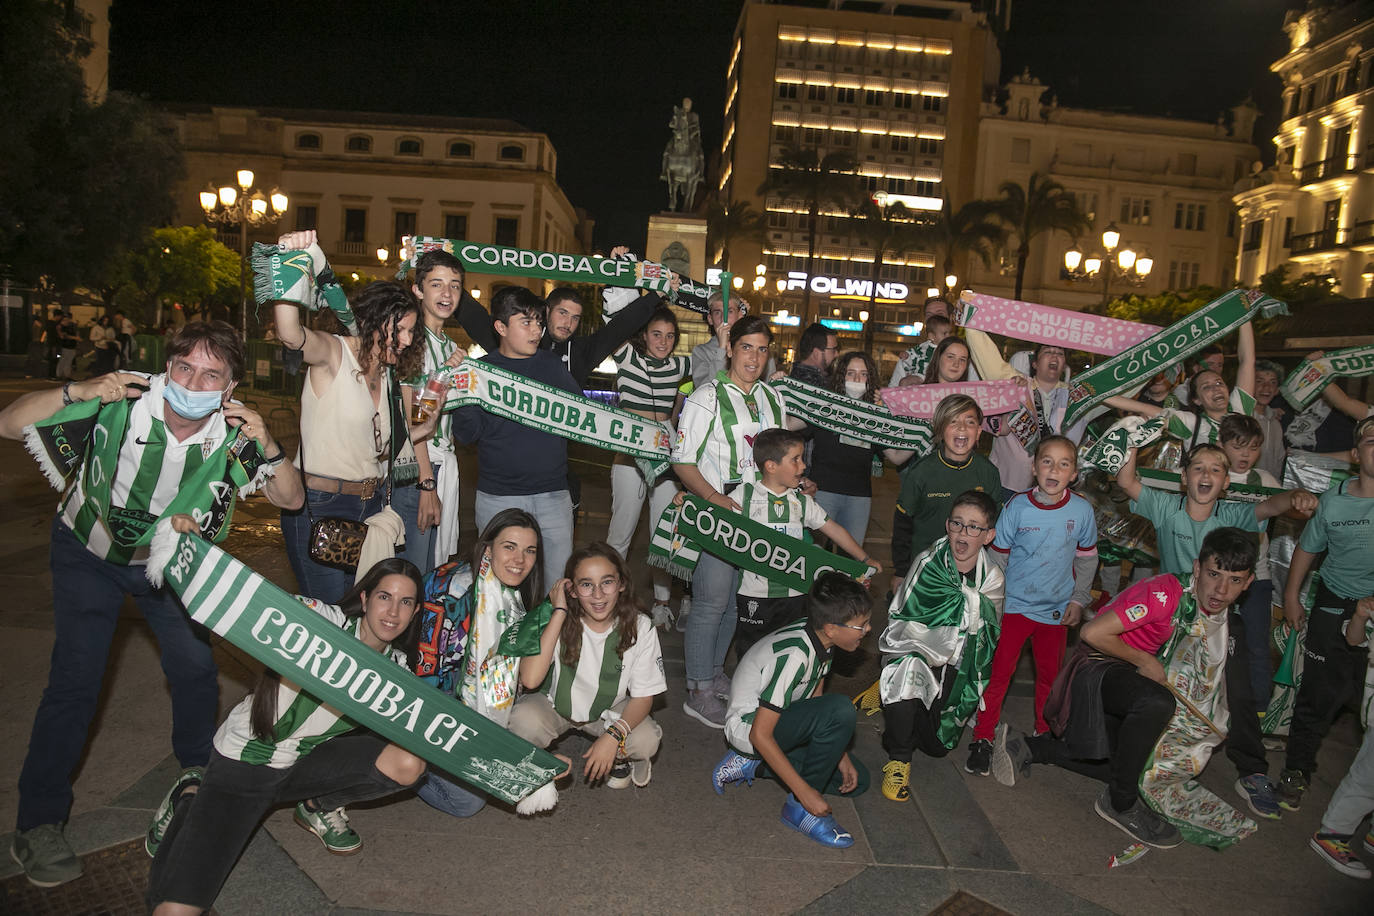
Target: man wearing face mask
(154,446)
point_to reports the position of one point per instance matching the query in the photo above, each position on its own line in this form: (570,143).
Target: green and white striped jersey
(303,722)
(717,428)
(153,468)
(790,513)
(783,668)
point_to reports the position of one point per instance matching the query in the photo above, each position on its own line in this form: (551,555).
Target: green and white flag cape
(269,624)
(546,265)
(1132,367)
(1194,659)
(684,532)
(552,410)
(1236,492)
(938,619)
(1312,375)
(844,415)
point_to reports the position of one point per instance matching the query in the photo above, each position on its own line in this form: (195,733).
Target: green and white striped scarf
(939,618)
(683,532)
(78,449)
(870,423)
(1313,375)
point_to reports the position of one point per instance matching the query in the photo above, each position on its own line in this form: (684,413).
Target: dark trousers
(212,826)
(903,530)
(1256,607)
(87,593)
(759,617)
(1332,673)
(910,725)
(814,735)
(1244,744)
(1137,710)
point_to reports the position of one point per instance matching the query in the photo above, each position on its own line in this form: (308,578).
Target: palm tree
(820,181)
(975,228)
(1043,205)
(730,222)
(887,229)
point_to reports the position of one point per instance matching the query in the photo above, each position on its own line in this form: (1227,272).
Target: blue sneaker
(823,830)
(1260,793)
(734,768)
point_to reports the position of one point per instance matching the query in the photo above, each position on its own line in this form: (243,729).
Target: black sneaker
(1138,822)
(1011,758)
(1292,785)
(979,758)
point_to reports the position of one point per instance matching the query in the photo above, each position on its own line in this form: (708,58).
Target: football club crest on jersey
(1136,612)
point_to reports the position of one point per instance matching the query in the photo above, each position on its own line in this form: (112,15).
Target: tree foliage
(1043,205)
(1163,309)
(184,264)
(803,174)
(1308,289)
(79,180)
(729,223)
(887,229)
(976,228)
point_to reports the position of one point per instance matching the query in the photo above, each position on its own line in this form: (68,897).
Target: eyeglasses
(377,432)
(954,527)
(862,628)
(588,588)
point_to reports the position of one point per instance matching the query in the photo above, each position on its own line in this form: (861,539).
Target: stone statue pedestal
(687,230)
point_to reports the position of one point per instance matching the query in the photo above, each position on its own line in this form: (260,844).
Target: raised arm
(1299,502)
(476,321)
(29,408)
(317,348)
(1126,478)
(1131,405)
(1353,408)
(986,358)
(1245,359)
(534,668)
(626,323)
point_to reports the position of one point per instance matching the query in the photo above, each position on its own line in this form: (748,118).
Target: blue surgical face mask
(193,405)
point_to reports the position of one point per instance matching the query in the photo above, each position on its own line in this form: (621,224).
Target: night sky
(601,78)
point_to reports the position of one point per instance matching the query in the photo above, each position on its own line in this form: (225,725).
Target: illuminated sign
(909,330)
(847,287)
(790,320)
(835,324)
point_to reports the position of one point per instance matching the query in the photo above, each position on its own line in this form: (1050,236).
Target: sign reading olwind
(848,287)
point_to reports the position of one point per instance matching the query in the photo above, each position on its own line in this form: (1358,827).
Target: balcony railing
(1325,168)
(1360,233)
(355,249)
(1321,240)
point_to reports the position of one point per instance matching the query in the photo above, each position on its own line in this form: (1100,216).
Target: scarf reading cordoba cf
(269,624)
(1194,659)
(1134,366)
(552,410)
(682,533)
(1313,375)
(546,265)
(853,418)
(939,618)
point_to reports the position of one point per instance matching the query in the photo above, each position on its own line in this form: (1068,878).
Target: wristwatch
(426,485)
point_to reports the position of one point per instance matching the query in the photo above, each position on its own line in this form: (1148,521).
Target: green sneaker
(332,829)
(162,817)
(45,855)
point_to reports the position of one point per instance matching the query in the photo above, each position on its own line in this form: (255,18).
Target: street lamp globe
(782,285)
(759,270)
(951,281)
(1111,237)
(1143,265)
(863,316)
(245,178)
(1125,258)
(737,283)
(932,292)
(383,254)
(1092,264)
(1072,258)
(208,199)
(258,203)
(279,200)
(228,194)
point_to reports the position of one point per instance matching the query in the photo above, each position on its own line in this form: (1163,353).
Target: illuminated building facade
(1314,210)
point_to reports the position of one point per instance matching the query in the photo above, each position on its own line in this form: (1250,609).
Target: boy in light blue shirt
(1047,539)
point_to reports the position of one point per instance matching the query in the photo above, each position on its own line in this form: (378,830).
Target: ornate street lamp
(243,206)
(1123,262)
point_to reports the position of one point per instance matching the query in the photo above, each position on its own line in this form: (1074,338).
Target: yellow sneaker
(870,701)
(897,781)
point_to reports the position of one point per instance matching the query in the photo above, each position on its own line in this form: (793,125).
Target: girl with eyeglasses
(598,670)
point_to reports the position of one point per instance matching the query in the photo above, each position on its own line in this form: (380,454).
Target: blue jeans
(313,579)
(849,512)
(711,625)
(419,548)
(87,593)
(448,796)
(553,512)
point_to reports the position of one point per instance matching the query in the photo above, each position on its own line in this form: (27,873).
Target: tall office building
(1314,210)
(895,85)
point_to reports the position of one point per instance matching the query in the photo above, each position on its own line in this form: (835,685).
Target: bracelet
(277,459)
(67,400)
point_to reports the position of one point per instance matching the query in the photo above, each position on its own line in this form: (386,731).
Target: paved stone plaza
(671,847)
